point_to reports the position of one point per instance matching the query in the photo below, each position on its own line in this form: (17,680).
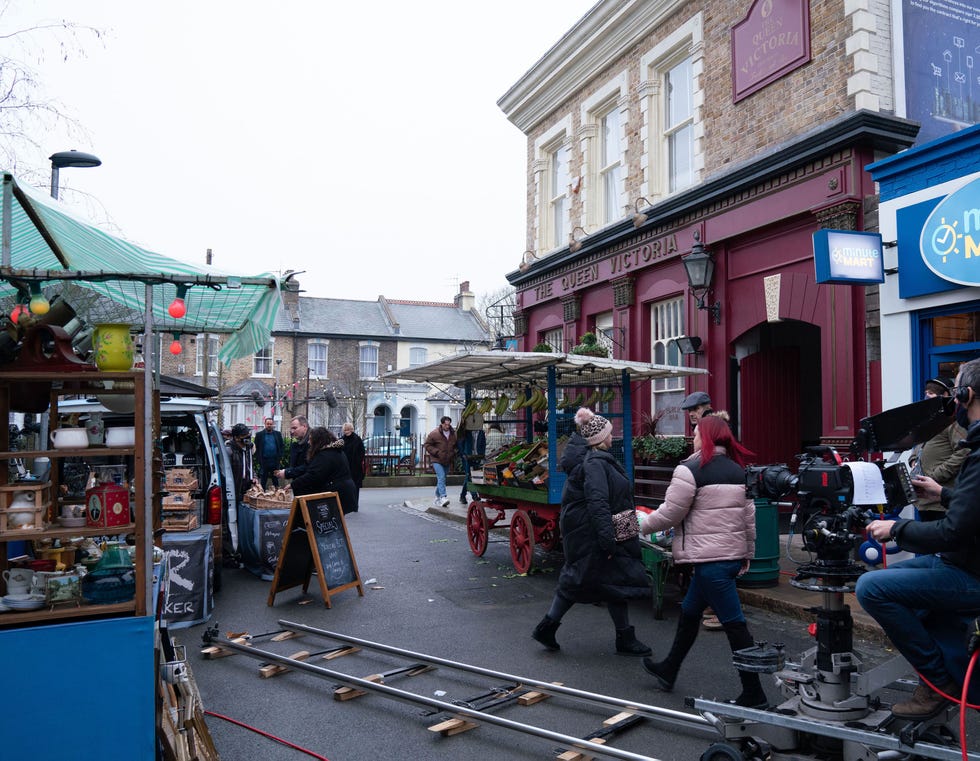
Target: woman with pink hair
(714,530)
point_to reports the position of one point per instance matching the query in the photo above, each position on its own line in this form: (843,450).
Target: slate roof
(382,319)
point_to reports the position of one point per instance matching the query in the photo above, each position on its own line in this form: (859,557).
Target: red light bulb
(175,347)
(177,308)
(17,312)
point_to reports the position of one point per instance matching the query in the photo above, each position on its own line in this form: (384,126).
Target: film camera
(833,516)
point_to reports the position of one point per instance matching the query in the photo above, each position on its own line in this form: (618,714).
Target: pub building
(673,213)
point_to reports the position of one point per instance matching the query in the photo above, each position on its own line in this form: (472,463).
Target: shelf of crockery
(65,611)
(61,532)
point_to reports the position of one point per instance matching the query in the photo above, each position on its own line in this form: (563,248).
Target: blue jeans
(440,471)
(713,585)
(898,596)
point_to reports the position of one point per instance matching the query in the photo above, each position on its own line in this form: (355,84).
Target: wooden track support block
(622,716)
(349,693)
(530,698)
(340,652)
(453,726)
(283,636)
(216,651)
(579,755)
(267,670)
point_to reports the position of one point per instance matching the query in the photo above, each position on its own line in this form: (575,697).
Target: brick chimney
(290,296)
(465,300)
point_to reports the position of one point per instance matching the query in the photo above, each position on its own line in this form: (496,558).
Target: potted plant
(589,346)
(543,347)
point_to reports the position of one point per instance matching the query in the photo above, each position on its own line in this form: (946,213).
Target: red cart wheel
(477,530)
(521,541)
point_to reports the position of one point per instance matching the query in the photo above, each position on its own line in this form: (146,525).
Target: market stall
(533,396)
(58,271)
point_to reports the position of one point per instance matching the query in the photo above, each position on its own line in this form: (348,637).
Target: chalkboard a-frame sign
(316,539)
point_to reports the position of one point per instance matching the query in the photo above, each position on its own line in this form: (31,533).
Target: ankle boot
(665,671)
(628,644)
(752,695)
(544,633)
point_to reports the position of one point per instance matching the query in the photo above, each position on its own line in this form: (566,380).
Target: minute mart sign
(950,240)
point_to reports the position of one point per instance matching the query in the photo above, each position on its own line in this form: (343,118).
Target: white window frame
(666,325)
(604,325)
(361,362)
(260,356)
(599,208)
(552,227)
(317,343)
(555,338)
(214,343)
(687,42)
(413,356)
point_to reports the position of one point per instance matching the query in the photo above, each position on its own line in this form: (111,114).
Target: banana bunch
(469,409)
(502,404)
(519,401)
(486,405)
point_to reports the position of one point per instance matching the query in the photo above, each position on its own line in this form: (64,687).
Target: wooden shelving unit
(71,384)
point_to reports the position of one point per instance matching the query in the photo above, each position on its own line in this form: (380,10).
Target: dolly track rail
(594,749)
(687,720)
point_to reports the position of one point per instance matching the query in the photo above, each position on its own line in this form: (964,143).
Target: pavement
(781,598)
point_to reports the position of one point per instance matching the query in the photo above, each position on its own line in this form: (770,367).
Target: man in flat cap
(696,405)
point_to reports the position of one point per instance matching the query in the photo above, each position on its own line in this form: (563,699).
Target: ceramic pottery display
(112,347)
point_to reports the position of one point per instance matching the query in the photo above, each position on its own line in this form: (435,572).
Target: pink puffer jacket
(708,510)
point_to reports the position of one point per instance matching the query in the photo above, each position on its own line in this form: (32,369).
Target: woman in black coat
(597,567)
(327,470)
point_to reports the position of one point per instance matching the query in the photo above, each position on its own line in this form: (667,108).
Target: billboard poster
(942,65)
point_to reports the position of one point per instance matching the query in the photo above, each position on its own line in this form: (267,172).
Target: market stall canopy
(44,244)
(501,369)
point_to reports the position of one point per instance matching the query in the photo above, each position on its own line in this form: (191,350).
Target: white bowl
(123,436)
(70,438)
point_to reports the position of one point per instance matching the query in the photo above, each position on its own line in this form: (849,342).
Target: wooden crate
(41,506)
(176,522)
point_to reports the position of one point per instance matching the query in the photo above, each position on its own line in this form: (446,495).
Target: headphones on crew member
(964,395)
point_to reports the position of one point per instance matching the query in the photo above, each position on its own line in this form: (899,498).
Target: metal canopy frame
(502,369)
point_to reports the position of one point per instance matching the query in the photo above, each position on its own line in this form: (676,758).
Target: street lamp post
(69,159)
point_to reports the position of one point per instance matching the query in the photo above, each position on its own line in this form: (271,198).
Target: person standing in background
(940,458)
(299,429)
(240,451)
(440,445)
(354,449)
(327,470)
(269,447)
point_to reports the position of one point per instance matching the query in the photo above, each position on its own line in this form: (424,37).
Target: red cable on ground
(963,703)
(266,734)
(960,701)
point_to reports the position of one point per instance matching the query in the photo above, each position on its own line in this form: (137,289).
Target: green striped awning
(48,244)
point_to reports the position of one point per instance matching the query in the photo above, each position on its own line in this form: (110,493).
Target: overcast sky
(358,141)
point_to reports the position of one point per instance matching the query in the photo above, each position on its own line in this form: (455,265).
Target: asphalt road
(426,592)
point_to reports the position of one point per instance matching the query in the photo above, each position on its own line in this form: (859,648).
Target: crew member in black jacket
(948,579)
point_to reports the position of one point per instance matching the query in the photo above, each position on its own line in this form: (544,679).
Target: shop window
(672,95)
(368,365)
(667,324)
(316,358)
(262,361)
(948,337)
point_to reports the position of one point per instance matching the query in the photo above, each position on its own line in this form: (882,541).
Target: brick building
(733,131)
(325,359)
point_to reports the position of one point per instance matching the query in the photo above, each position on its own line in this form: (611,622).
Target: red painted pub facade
(791,360)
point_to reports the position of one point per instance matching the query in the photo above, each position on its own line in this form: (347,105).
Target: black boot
(666,670)
(628,644)
(544,633)
(752,696)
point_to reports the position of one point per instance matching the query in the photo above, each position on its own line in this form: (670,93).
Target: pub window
(554,338)
(667,324)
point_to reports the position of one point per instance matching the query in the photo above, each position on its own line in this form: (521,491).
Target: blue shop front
(929,218)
